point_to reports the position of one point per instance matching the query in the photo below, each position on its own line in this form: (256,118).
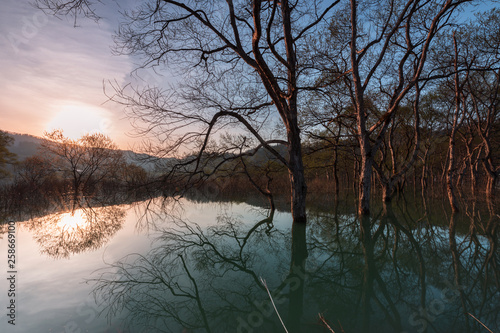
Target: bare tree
(34,170)
(380,54)
(87,160)
(401,149)
(245,62)
(484,89)
(486,108)
(457,119)
(6,157)
(475,61)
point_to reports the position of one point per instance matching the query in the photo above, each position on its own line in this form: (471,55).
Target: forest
(378,98)
(311,166)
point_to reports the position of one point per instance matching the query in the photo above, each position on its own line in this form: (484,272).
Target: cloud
(46,60)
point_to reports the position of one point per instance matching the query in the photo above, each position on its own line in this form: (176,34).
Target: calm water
(185,266)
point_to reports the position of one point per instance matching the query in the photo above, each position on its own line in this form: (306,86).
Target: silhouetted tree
(87,160)
(6,157)
(244,63)
(404,36)
(34,170)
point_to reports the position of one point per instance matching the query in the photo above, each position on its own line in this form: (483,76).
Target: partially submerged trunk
(297,178)
(490,185)
(365,182)
(451,170)
(335,167)
(491,172)
(387,191)
(410,68)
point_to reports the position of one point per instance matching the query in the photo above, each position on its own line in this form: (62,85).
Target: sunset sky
(53,73)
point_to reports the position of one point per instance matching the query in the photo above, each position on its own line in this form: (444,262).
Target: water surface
(165,265)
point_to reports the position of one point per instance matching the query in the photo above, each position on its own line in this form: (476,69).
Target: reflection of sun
(72,221)
(64,233)
(77,119)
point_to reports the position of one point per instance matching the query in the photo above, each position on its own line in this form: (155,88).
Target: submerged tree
(483,87)
(244,64)
(34,170)
(380,53)
(87,160)
(6,157)
(405,33)
(469,98)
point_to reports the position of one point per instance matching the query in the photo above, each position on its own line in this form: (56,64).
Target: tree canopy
(6,157)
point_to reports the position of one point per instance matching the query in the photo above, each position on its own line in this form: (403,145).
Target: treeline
(396,107)
(373,95)
(64,168)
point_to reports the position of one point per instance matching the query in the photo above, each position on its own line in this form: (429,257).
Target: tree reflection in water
(195,277)
(390,273)
(81,228)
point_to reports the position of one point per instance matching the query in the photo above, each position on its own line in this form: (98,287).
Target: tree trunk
(387,190)
(365,174)
(297,178)
(296,166)
(335,169)
(473,177)
(491,173)
(461,174)
(423,181)
(355,176)
(77,183)
(490,185)
(365,180)
(450,172)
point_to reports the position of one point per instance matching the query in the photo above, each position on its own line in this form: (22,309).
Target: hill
(26,145)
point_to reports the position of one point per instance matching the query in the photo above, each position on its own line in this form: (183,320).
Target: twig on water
(479,321)
(272,302)
(326,324)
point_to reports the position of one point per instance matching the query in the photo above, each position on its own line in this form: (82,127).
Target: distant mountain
(263,155)
(148,162)
(26,145)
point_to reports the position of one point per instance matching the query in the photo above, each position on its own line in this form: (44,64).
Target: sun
(77,119)
(72,221)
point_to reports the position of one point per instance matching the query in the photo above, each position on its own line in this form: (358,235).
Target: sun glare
(78,119)
(72,221)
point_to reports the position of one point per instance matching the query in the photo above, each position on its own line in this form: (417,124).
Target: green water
(165,265)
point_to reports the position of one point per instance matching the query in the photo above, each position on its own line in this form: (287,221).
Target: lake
(186,265)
